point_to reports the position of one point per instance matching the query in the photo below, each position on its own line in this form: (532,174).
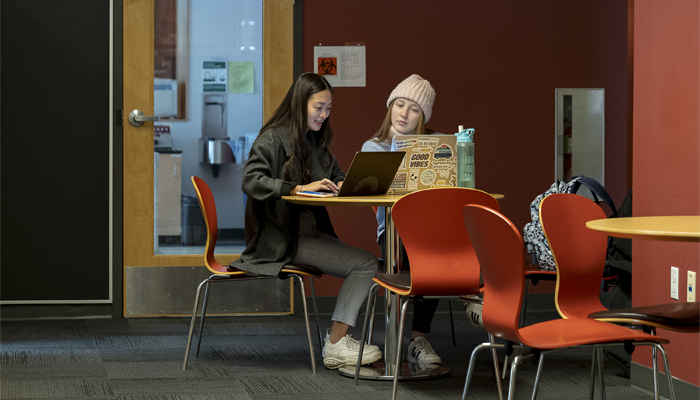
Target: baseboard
(18,312)
(642,378)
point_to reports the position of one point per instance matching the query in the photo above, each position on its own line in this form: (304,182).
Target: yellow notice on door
(240,77)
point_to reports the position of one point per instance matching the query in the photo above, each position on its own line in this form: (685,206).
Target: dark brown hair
(292,114)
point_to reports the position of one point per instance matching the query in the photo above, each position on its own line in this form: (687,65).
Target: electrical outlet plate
(674,283)
(691,287)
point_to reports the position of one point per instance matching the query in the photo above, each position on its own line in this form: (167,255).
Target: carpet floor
(253,358)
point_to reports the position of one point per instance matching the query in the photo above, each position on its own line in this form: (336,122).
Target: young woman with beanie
(292,153)
(410,106)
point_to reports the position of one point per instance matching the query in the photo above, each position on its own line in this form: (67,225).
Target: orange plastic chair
(443,263)
(449,308)
(499,248)
(228,274)
(573,245)
(563,217)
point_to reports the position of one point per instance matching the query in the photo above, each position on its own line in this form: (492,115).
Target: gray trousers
(335,258)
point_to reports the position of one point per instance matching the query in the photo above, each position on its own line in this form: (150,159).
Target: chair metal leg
(667,369)
(601,372)
(591,391)
(371,299)
(472,362)
(513,371)
(452,323)
(318,325)
(655,368)
(371,321)
(655,365)
(540,363)
(194,317)
(496,369)
(523,308)
(505,366)
(306,319)
(201,318)
(399,346)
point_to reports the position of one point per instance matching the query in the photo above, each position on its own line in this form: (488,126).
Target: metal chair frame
(234,278)
(226,274)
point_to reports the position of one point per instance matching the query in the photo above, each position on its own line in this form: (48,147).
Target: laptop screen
(430,162)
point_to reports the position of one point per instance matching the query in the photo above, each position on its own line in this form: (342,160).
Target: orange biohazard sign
(328,66)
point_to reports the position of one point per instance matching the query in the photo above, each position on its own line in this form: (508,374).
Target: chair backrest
(579,252)
(429,223)
(499,247)
(208,207)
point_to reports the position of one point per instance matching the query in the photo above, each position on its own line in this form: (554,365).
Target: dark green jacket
(272,224)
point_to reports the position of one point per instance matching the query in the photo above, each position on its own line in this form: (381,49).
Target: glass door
(196,67)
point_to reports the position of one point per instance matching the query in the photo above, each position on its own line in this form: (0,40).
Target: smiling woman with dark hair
(292,154)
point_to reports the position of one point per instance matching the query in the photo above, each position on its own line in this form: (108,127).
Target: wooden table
(667,228)
(380,370)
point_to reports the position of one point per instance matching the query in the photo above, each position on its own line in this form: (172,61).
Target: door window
(208,93)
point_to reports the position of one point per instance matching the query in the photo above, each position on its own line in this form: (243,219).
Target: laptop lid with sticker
(430,162)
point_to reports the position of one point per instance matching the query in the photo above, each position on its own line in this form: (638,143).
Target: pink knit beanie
(415,89)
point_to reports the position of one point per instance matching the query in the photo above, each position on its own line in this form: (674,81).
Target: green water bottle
(465,157)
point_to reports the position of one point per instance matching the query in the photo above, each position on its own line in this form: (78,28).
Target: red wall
(666,158)
(494,66)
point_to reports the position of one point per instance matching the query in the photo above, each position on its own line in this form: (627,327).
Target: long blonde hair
(383,132)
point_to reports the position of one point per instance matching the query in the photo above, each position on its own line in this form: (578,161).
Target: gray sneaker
(420,351)
(474,313)
(345,352)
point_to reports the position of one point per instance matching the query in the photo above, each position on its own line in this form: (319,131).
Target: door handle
(137,118)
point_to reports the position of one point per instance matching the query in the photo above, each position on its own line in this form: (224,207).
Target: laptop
(430,162)
(370,173)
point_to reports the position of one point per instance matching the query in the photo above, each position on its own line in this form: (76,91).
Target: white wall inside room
(228,31)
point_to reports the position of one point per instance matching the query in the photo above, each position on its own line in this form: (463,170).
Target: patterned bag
(535,241)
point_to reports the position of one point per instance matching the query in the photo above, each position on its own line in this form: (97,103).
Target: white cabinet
(168,193)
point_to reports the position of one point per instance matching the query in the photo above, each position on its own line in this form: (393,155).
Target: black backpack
(619,263)
(535,241)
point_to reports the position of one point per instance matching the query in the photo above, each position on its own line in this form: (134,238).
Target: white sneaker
(328,338)
(345,352)
(420,351)
(474,313)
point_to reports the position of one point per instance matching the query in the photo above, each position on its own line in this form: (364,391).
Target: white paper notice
(341,65)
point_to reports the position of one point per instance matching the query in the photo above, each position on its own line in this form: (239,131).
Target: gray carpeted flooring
(250,358)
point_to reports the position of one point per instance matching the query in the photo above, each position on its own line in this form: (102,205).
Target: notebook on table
(430,162)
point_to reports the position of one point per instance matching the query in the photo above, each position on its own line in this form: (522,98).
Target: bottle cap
(465,136)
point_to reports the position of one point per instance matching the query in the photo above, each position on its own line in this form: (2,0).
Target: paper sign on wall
(214,76)
(341,65)
(241,77)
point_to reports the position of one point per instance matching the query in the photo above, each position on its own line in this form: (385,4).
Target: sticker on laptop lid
(399,182)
